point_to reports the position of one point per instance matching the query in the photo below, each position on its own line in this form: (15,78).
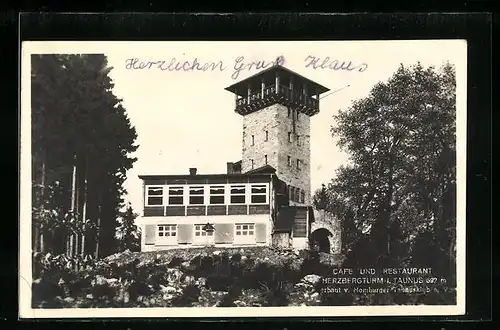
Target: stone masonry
(279,122)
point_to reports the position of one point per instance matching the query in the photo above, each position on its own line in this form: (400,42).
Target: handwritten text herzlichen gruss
(240,64)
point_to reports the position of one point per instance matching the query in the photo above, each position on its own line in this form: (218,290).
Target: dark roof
(266,169)
(241,87)
(198,176)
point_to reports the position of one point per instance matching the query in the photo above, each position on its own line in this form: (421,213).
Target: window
(259,194)
(253,140)
(289,161)
(267,135)
(289,136)
(298,164)
(265,159)
(251,160)
(200,232)
(237,194)
(167,231)
(196,195)
(176,195)
(245,229)
(292,193)
(302,196)
(298,140)
(217,195)
(155,196)
(288,112)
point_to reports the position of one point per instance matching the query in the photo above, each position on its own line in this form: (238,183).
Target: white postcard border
(25,264)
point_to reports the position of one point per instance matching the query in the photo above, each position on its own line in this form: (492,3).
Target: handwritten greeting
(240,65)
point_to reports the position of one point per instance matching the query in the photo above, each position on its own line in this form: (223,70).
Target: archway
(320,240)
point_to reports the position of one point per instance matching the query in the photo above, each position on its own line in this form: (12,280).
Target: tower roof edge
(241,87)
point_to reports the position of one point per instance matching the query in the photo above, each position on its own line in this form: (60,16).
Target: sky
(185,118)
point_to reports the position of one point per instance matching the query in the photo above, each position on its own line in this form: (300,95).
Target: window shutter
(261,233)
(184,234)
(224,233)
(150,234)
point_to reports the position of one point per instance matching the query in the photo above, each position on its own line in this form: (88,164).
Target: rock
(174,275)
(189,280)
(69,299)
(99,280)
(169,289)
(239,303)
(311,279)
(168,296)
(201,281)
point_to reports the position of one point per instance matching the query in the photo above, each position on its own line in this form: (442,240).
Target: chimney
(230,168)
(192,171)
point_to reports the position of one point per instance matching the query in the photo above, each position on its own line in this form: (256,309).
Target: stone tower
(277,105)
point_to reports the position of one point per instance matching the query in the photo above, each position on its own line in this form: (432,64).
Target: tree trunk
(71,245)
(75,252)
(84,208)
(98,232)
(83,245)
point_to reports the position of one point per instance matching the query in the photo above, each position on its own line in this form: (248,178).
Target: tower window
(302,196)
(251,160)
(267,135)
(253,140)
(265,159)
(288,112)
(289,136)
(289,161)
(298,140)
(298,164)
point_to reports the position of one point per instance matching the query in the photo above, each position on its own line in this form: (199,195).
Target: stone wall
(326,220)
(277,121)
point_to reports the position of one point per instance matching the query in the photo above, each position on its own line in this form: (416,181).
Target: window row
(297,138)
(291,137)
(200,231)
(206,195)
(298,163)
(296,194)
(266,138)
(294,114)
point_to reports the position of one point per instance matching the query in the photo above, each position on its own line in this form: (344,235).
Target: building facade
(262,199)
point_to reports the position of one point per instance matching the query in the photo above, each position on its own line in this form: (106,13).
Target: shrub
(190,295)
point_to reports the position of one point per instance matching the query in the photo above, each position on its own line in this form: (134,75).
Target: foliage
(128,279)
(77,122)
(128,234)
(400,181)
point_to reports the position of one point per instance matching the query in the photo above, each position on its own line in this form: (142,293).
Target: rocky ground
(196,277)
(201,278)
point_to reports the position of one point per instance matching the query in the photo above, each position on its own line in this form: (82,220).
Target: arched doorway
(320,240)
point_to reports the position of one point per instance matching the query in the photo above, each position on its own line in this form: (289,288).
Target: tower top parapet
(277,84)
